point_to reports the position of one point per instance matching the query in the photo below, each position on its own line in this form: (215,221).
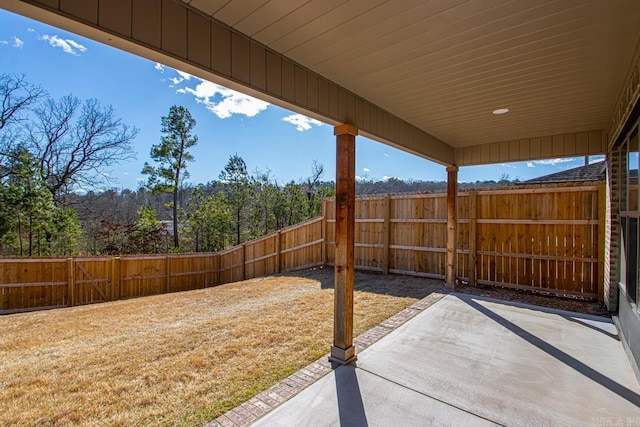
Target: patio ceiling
(444,66)
(438,67)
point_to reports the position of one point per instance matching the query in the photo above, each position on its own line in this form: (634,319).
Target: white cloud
(219,100)
(360,178)
(507,165)
(125,173)
(301,122)
(224,102)
(30,30)
(530,165)
(15,42)
(76,45)
(177,80)
(387,178)
(366,170)
(185,76)
(67,45)
(553,162)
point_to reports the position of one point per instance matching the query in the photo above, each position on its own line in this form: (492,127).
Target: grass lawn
(181,358)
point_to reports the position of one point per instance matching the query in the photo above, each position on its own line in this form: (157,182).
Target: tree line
(55,153)
(51,149)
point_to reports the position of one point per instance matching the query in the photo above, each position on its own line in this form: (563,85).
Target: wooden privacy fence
(540,239)
(28,284)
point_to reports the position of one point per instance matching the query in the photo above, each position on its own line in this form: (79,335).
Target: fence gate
(90,279)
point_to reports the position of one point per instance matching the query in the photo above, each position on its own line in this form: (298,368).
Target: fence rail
(28,284)
(541,239)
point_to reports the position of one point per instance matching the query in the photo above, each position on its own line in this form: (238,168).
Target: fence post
(473,236)
(278,246)
(217,268)
(244,265)
(71,278)
(168,271)
(386,234)
(602,215)
(115,279)
(452,195)
(324,232)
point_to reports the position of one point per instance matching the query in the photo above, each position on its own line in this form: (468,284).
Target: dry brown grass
(178,359)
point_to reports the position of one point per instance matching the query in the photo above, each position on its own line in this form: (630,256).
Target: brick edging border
(268,400)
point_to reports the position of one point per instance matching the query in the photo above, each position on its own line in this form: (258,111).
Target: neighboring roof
(591,172)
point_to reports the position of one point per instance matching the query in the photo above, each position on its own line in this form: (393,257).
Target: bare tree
(16,96)
(16,99)
(317,172)
(75,142)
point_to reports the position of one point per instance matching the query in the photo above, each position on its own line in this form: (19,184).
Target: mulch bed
(552,301)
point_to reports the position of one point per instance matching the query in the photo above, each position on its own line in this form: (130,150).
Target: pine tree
(172,156)
(237,189)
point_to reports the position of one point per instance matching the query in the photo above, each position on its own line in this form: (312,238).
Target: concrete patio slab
(469,360)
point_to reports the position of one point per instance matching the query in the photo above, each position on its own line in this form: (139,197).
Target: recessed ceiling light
(500,111)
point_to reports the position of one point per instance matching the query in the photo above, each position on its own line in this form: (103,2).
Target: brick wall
(616,194)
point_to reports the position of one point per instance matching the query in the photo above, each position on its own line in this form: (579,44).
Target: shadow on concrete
(590,326)
(350,406)
(558,354)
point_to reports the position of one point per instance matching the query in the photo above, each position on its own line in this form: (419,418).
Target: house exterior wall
(628,323)
(621,248)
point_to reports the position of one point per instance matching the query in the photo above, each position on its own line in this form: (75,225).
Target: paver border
(274,396)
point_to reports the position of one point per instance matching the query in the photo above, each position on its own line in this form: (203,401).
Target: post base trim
(340,356)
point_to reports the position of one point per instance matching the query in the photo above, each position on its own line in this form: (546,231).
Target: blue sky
(265,136)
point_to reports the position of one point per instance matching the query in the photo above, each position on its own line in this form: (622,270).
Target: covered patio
(460,83)
(469,360)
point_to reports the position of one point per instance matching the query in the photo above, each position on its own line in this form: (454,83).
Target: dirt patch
(412,286)
(525,297)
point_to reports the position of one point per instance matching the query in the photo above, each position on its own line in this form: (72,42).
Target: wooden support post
(71,274)
(115,279)
(278,249)
(343,351)
(473,236)
(602,216)
(452,193)
(168,269)
(386,234)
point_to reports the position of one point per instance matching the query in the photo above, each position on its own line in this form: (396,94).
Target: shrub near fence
(541,239)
